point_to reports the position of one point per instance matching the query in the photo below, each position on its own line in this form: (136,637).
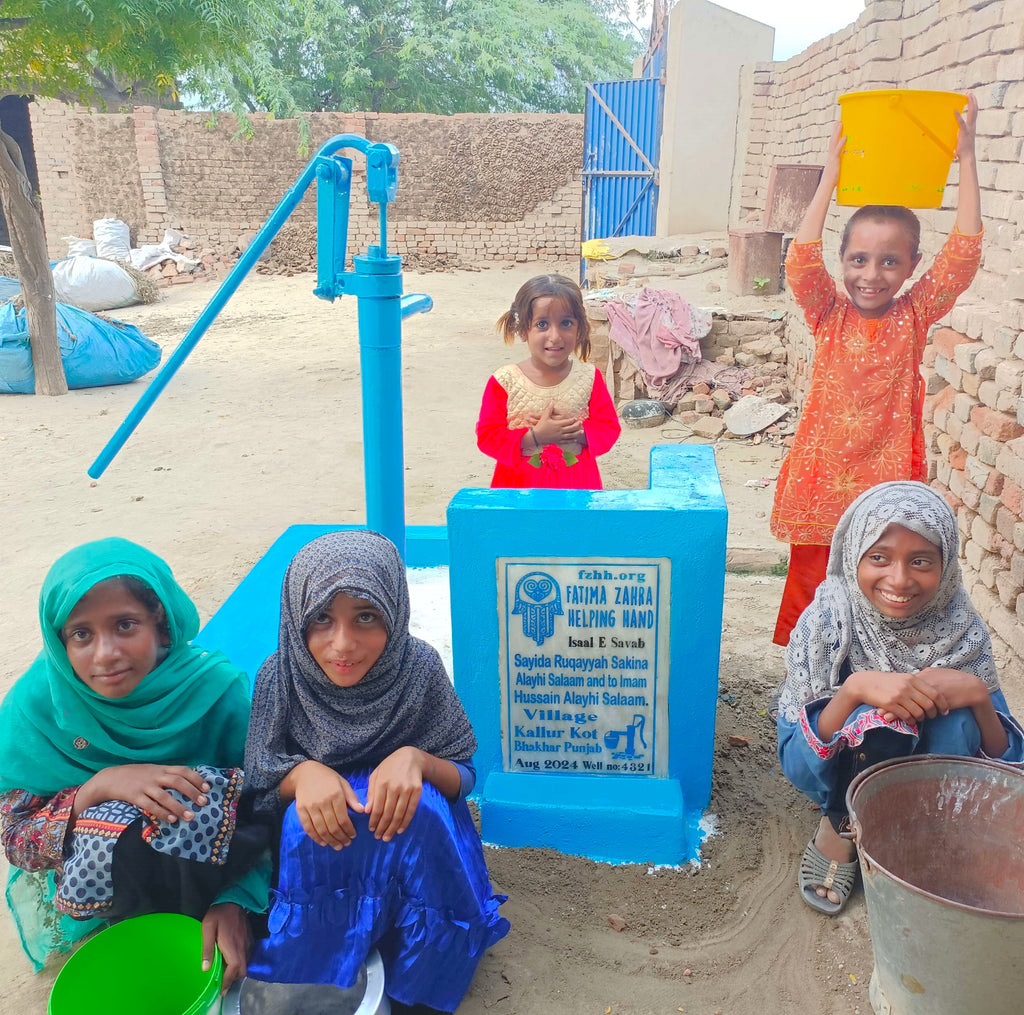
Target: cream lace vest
(571,396)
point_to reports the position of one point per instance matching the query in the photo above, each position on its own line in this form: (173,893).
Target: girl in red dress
(547,418)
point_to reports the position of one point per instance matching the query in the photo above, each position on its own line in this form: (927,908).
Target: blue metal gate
(621,142)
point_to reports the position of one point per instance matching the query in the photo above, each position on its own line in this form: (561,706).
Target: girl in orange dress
(862,419)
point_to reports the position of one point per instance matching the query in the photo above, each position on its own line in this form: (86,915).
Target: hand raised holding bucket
(900,144)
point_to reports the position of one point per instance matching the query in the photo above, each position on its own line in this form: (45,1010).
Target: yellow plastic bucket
(900,144)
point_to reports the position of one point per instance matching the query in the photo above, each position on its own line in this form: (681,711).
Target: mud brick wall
(90,167)
(974,413)
(471,187)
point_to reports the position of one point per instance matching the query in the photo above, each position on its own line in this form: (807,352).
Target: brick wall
(974,413)
(472,187)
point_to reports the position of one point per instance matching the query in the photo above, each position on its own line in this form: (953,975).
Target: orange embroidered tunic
(862,420)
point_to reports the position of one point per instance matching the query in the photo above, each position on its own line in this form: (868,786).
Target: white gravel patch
(431,605)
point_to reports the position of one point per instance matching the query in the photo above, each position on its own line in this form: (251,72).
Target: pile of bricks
(754,342)
(750,339)
(167,273)
(974,425)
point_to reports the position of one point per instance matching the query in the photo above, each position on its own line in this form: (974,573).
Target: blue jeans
(957,733)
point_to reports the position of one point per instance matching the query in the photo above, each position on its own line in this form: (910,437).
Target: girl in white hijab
(890,659)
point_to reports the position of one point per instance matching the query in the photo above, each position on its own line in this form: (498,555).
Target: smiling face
(900,573)
(553,334)
(112,639)
(877,260)
(346,638)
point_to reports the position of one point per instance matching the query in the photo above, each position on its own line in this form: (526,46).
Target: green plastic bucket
(150,964)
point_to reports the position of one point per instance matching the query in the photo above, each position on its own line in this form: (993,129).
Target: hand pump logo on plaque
(584,665)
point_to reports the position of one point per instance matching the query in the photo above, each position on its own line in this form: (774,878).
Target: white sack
(92,284)
(156,253)
(112,240)
(79,245)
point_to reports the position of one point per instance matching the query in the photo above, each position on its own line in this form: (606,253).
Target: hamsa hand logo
(538,602)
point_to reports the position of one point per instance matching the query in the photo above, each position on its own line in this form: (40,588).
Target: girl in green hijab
(120,755)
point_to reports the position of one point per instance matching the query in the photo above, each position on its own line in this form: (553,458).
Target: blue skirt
(424,900)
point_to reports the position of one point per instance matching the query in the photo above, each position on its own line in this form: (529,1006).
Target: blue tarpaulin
(95,351)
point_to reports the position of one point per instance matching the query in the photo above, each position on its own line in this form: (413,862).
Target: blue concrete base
(245,628)
(628,821)
(681,523)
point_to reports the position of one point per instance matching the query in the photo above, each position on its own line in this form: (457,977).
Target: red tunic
(500,430)
(861,422)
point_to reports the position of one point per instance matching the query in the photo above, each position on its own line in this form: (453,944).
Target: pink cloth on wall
(660,331)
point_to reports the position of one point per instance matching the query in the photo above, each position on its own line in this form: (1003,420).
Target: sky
(797,23)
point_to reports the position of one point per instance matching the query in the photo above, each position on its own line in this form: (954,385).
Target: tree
(437,56)
(88,50)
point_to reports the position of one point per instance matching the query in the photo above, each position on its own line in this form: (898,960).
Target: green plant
(760,283)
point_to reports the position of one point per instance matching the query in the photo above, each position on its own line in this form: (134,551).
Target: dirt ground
(261,430)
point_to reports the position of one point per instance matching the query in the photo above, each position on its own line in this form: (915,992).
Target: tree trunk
(28,241)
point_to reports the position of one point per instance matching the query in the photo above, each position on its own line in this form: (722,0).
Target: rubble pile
(748,348)
(171,271)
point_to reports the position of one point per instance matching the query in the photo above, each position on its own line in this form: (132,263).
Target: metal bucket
(941,846)
(365,997)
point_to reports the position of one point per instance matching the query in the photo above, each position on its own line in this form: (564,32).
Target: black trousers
(146,881)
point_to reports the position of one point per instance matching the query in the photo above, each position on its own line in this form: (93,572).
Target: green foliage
(51,48)
(438,56)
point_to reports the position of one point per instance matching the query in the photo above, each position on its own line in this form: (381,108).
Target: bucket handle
(897,101)
(853,834)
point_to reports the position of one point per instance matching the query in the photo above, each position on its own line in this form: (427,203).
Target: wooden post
(32,261)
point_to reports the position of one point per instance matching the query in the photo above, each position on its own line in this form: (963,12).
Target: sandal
(817,869)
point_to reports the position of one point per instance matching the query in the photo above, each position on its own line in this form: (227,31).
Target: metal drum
(941,846)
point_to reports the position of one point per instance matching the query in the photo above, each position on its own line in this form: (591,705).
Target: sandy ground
(261,430)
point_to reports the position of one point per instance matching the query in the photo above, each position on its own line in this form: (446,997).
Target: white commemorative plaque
(584,652)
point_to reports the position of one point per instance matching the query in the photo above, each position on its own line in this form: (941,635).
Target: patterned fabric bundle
(87,886)
(841,624)
(406,699)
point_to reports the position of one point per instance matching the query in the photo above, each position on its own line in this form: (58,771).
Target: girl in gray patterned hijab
(357,722)
(890,659)
(402,698)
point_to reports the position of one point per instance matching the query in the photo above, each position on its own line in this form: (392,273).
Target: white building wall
(707,46)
